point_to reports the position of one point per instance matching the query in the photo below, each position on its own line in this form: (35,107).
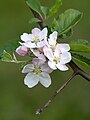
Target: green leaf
(34,20)
(67,34)
(45,11)
(66,21)
(6,57)
(80,45)
(54,9)
(81,59)
(10,46)
(35,6)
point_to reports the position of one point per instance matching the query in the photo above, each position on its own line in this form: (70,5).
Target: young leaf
(67,34)
(66,21)
(10,46)
(81,59)
(6,57)
(45,11)
(35,6)
(80,45)
(55,8)
(34,20)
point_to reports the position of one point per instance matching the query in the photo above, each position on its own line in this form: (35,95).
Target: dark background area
(17,101)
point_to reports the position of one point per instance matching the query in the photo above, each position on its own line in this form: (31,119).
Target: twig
(55,94)
(36,15)
(79,71)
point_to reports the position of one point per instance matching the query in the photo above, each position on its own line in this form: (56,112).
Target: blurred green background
(17,102)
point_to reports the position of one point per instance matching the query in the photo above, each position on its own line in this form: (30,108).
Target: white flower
(36,39)
(59,57)
(37,72)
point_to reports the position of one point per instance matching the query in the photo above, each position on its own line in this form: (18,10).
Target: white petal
(52,65)
(43,34)
(48,53)
(46,68)
(63,47)
(57,53)
(31,80)
(26,37)
(65,57)
(45,79)
(62,67)
(30,45)
(38,54)
(37,62)
(41,44)
(28,68)
(53,38)
(36,31)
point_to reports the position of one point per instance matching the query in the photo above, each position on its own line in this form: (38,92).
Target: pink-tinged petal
(47,43)
(37,62)
(63,47)
(45,79)
(41,44)
(48,53)
(46,68)
(38,54)
(52,65)
(57,53)
(22,50)
(28,68)
(42,57)
(43,34)
(30,45)
(31,80)
(36,31)
(65,57)
(62,67)
(53,38)
(26,37)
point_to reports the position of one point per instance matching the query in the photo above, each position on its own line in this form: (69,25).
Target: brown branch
(55,94)
(79,71)
(36,15)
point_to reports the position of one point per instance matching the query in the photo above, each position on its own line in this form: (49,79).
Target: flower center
(37,70)
(36,39)
(53,47)
(56,59)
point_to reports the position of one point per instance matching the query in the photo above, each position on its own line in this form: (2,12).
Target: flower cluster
(49,56)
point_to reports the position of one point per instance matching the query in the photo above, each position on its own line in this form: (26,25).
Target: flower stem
(55,94)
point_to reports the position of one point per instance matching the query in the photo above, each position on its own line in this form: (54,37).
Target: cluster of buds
(48,55)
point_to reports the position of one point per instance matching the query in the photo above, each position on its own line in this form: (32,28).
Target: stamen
(37,70)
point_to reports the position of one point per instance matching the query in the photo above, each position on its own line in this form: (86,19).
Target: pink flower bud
(22,50)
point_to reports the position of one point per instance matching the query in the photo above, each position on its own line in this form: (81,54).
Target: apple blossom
(59,57)
(50,56)
(37,72)
(36,39)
